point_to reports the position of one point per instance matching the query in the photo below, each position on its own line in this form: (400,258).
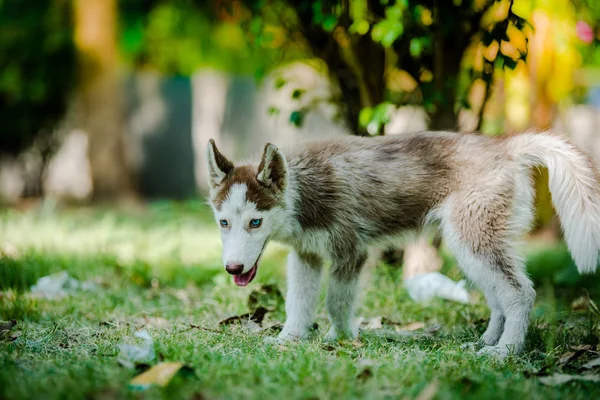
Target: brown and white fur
(332,199)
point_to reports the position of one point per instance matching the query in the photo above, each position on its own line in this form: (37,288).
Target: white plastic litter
(424,287)
(132,354)
(59,285)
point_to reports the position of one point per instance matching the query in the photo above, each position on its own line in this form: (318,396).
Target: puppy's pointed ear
(218,165)
(272,170)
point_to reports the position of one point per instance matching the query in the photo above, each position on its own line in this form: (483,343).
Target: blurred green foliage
(396,52)
(37,69)
(179,37)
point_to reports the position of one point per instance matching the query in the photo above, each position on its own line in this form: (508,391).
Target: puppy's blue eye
(255,223)
(224,223)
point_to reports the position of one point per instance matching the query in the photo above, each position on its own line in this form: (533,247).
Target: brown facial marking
(264,198)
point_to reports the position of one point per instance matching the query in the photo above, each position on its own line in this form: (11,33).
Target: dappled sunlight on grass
(160,269)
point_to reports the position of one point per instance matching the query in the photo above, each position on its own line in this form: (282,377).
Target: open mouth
(244,279)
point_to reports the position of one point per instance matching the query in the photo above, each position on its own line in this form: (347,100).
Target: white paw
(499,352)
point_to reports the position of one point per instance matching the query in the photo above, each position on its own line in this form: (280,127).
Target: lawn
(159,269)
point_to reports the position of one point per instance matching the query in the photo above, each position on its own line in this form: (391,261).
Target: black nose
(234,269)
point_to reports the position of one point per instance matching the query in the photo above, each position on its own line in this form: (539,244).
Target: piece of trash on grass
(424,287)
(559,379)
(132,354)
(159,375)
(59,285)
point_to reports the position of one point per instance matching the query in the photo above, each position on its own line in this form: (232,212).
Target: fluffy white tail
(575,188)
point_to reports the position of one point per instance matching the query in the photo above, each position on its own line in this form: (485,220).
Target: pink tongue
(245,279)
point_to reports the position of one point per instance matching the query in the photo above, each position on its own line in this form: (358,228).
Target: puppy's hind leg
(495,327)
(478,233)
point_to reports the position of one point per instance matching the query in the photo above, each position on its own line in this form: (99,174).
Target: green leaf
(329,23)
(296,118)
(297,93)
(394,13)
(317,9)
(361,27)
(365,116)
(379,31)
(416,47)
(391,35)
(272,110)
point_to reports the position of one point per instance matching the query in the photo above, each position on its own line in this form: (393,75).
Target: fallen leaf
(257,316)
(372,323)
(560,379)
(592,364)
(415,326)
(328,347)
(6,326)
(429,392)
(157,322)
(265,296)
(159,375)
(580,303)
(585,347)
(364,375)
(571,356)
(567,357)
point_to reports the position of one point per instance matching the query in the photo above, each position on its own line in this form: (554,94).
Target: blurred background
(113,100)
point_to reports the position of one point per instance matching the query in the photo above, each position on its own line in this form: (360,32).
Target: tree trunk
(101,98)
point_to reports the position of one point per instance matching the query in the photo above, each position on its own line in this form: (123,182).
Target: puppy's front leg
(304,282)
(341,296)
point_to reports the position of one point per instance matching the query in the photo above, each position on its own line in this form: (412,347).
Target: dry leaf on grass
(371,323)
(592,364)
(364,375)
(560,379)
(414,326)
(429,392)
(267,296)
(6,326)
(159,375)
(6,332)
(257,317)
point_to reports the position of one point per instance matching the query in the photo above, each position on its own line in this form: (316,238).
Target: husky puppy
(332,199)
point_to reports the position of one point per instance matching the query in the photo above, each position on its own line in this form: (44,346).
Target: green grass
(160,269)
